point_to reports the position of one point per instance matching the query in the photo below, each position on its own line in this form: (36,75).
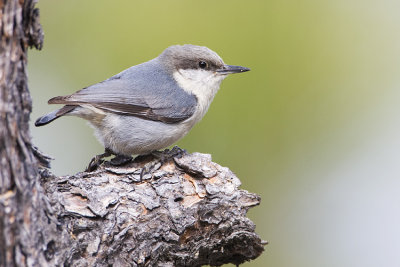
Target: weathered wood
(182,210)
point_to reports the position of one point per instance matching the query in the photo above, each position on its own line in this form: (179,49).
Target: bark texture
(177,209)
(20,202)
(182,210)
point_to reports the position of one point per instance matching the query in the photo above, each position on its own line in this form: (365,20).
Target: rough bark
(178,210)
(20,202)
(183,210)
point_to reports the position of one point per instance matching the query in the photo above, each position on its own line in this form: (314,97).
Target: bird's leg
(97,160)
(119,160)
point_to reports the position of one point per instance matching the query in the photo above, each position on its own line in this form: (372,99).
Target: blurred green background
(313,127)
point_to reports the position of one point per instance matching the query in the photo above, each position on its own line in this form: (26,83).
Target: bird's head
(197,69)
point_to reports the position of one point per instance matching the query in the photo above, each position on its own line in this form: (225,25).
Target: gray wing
(145,91)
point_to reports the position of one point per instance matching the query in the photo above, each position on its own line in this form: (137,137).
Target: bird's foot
(161,158)
(97,160)
(119,160)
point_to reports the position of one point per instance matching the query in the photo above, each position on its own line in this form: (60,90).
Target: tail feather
(54,115)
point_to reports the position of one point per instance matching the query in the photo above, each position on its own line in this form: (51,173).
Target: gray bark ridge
(176,209)
(21,205)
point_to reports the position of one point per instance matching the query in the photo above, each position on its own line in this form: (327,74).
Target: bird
(149,106)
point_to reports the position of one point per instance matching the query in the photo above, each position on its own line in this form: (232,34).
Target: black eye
(202,64)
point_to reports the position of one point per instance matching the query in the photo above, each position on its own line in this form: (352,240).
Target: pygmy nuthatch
(149,106)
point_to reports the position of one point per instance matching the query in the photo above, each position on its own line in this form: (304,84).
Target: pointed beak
(229,69)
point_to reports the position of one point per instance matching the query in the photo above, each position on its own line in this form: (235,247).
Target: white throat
(201,83)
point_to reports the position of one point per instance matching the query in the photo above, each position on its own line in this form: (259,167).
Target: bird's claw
(96,161)
(161,158)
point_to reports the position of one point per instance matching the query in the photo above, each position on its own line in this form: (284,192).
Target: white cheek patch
(198,82)
(203,84)
(191,80)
